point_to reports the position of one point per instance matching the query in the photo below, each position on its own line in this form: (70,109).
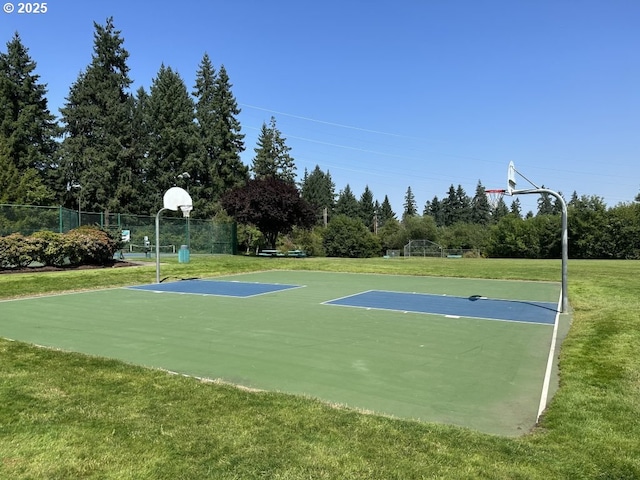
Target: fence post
(234,238)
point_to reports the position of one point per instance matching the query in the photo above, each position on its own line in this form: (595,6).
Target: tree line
(114,150)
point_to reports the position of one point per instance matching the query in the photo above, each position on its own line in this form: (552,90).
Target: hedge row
(82,246)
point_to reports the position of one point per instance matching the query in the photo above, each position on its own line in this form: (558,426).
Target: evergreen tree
(272,155)
(434,210)
(385,213)
(410,207)
(219,132)
(515,208)
(230,141)
(25,120)
(500,211)
(574,198)
(545,204)
(174,143)
(319,191)
(448,208)
(98,129)
(366,208)
(20,187)
(347,204)
(140,130)
(462,206)
(557,205)
(208,178)
(480,208)
(376,216)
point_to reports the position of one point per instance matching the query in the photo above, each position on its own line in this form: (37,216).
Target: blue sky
(422,93)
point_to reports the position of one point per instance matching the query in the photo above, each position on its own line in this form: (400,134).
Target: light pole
(77,186)
(185,176)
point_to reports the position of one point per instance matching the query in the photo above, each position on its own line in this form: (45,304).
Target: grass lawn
(67,415)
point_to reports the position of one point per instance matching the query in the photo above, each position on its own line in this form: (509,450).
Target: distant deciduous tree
(273,205)
(349,237)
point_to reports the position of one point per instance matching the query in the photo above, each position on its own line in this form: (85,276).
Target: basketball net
(186,210)
(494,196)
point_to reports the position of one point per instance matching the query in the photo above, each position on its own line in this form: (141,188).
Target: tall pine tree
(347,204)
(480,208)
(463,205)
(367,210)
(174,143)
(229,140)
(98,129)
(206,113)
(516,208)
(545,204)
(319,191)
(410,206)
(435,210)
(272,155)
(385,213)
(448,207)
(221,142)
(26,124)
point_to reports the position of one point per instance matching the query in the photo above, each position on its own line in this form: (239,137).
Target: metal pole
(158,244)
(185,176)
(565,240)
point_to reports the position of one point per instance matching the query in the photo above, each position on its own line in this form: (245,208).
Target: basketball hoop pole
(158,244)
(174,199)
(565,238)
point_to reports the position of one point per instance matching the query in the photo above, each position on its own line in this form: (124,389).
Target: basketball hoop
(494,196)
(186,210)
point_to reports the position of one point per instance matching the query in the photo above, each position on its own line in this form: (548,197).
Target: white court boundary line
(331,303)
(547,374)
(148,288)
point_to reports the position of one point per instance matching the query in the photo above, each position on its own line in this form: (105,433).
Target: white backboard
(176,197)
(511,179)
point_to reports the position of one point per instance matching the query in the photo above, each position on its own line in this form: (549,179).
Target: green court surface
(475,372)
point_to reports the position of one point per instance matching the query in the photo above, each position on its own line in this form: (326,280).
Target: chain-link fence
(202,236)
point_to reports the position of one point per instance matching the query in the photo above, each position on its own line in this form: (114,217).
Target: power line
(333,124)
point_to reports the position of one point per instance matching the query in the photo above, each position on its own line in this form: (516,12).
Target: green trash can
(183,254)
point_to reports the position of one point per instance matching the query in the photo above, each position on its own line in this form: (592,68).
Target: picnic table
(278,253)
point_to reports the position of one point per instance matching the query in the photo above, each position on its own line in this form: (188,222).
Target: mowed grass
(66,415)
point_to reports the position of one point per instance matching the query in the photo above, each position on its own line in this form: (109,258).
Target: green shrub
(310,241)
(348,237)
(52,249)
(90,246)
(82,246)
(17,251)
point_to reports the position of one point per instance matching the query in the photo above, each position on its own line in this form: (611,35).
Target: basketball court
(467,352)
